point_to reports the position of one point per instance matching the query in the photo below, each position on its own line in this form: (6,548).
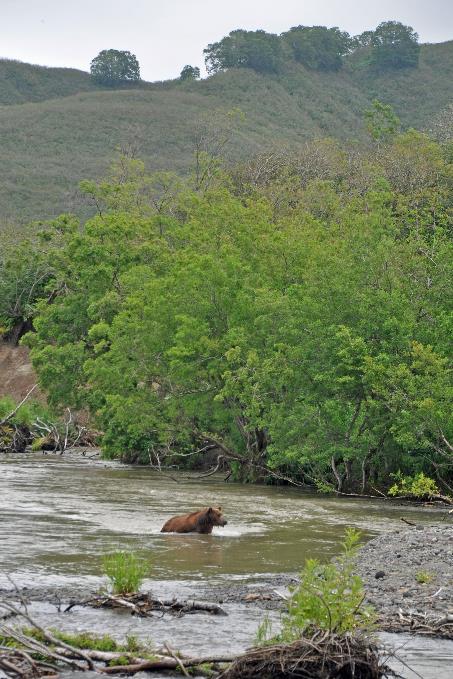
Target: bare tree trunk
(337,474)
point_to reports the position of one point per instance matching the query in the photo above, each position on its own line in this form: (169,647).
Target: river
(59,515)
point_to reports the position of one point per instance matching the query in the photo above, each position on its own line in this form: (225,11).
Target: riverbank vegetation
(290,317)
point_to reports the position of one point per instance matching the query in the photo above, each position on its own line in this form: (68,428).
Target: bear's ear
(210,510)
(219,509)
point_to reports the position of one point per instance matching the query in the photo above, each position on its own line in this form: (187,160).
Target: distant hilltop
(59,126)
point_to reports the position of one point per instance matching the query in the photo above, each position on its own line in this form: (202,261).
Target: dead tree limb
(13,412)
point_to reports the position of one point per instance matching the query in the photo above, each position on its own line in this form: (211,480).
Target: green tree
(190,73)
(28,273)
(114,67)
(394,46)
(258,50)
(318,47)
(363,40)
(381,121)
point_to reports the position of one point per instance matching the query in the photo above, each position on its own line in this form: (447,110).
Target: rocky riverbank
(408,578)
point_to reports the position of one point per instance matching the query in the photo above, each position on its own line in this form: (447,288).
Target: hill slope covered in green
(20,83)
(60,129)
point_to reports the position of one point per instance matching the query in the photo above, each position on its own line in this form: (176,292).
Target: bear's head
(215,517)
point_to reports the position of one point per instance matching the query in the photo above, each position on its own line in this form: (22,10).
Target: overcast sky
(167,34)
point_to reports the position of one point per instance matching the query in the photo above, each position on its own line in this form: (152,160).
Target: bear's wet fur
(202,521)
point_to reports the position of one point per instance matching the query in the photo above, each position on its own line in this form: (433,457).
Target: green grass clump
(89,641)
(424,577)
(125,572)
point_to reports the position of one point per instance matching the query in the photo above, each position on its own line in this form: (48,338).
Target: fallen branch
(13,412)
(168,663)
(409,523)
(143,605)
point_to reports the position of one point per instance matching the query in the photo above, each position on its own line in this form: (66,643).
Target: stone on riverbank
(410,571)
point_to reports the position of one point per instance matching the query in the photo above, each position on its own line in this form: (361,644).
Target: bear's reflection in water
(196,551)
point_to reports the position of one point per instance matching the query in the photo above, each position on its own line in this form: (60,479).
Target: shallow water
(58,515)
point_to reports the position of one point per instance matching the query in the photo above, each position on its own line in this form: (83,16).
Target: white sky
(167,34)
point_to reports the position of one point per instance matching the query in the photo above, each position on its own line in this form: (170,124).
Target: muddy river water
(59,515)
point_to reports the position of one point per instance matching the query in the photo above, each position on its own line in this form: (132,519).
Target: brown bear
(202,521)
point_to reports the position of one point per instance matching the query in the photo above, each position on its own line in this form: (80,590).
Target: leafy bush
(417,486)
(125,572)
(328,597)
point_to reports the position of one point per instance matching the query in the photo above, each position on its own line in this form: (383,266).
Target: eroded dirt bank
(17,374)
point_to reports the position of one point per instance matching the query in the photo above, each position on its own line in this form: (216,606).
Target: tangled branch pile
(28,424)
(427,624)
(322,656)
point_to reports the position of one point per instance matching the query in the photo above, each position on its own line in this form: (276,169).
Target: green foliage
(418,486)
(190,73)
(26,414)
(258,50)
(424,577)
(264,635)
(328,597)
(294,310)
(114,67)
(89,641)
(318,47)
(394,46)
(125,572)
(381,121)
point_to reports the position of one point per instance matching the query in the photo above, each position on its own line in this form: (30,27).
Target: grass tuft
(125,571)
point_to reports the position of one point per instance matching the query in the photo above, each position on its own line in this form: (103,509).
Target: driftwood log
(144,605)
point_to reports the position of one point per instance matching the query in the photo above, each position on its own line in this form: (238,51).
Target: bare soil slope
(16,373)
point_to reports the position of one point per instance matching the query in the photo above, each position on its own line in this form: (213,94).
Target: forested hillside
(60,128)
